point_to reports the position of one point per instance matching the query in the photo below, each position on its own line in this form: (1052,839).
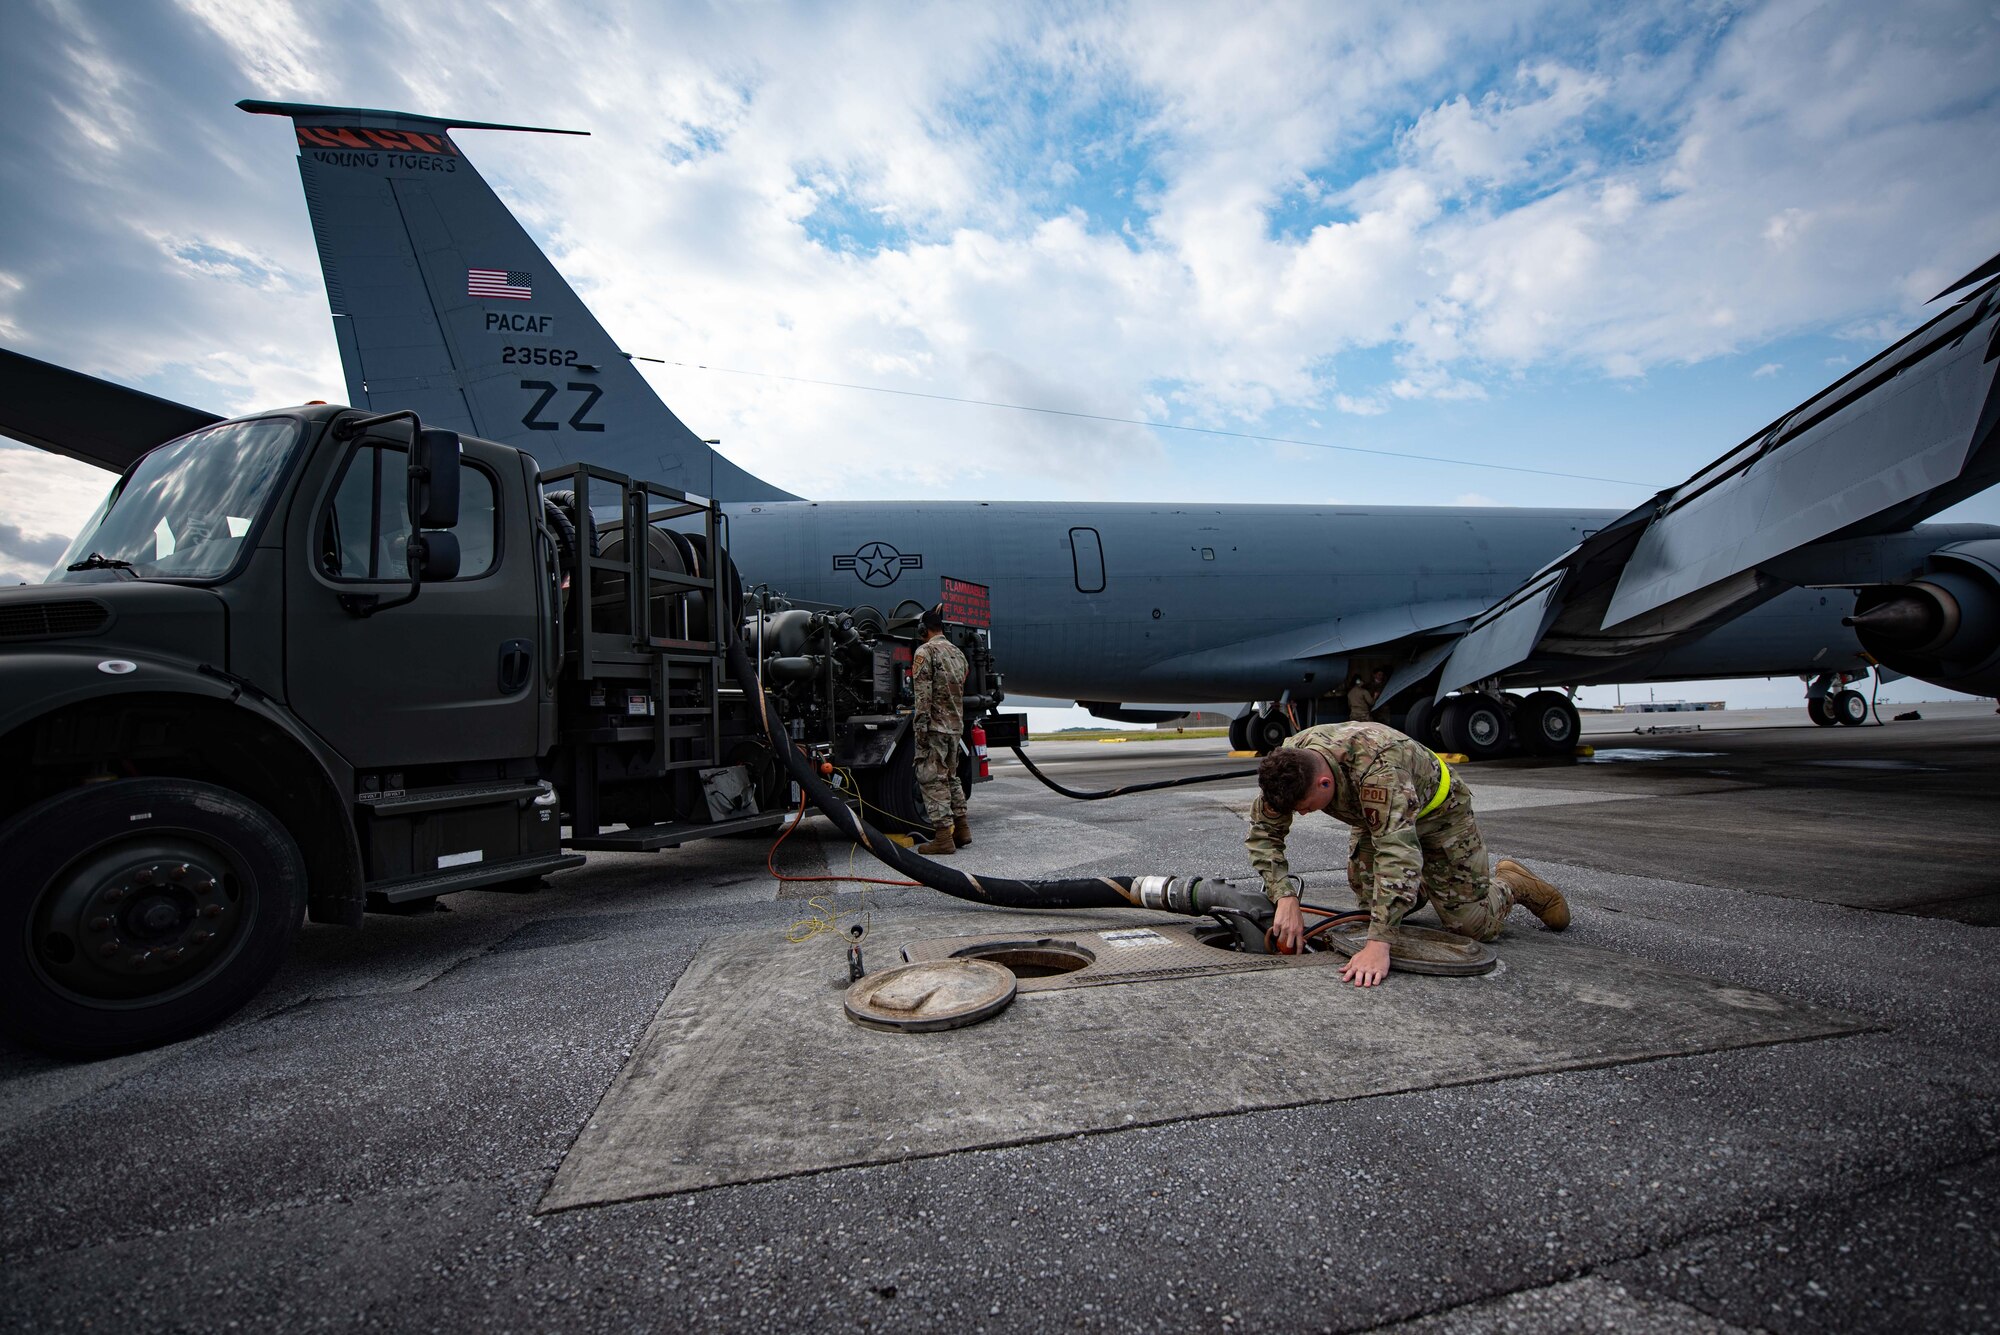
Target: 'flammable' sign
(965,602)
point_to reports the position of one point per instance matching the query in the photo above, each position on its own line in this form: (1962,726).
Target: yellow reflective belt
(1444,787)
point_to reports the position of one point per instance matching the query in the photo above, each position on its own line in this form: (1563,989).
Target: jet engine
(1942,627)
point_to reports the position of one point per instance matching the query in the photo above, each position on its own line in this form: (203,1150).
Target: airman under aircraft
(1798,552)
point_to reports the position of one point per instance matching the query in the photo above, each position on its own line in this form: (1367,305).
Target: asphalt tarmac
(373,1142)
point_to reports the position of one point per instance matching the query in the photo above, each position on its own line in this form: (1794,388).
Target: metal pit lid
(936,994)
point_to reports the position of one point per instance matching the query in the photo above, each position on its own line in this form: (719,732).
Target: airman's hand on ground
(1369,966)
(1290,926)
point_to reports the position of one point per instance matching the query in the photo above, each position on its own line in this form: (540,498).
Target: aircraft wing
(1903,436)
(72,414)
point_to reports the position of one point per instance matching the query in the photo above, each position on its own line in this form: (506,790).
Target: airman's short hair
(933,618)
(1284,777)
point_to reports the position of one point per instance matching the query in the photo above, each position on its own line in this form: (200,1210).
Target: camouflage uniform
(1381,780)
(1360,703)
(937,677)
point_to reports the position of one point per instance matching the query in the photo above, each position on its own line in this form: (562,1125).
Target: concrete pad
(751,1072)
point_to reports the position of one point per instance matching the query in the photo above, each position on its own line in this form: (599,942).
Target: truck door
(455,675)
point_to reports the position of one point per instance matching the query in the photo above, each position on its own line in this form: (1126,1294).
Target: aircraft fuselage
(1179,602)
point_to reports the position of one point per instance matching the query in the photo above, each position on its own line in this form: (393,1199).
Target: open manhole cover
(1113,955)
(1046,957)
(1418,949)
(937,994)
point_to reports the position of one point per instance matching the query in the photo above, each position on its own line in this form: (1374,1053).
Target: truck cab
(225,708)
(309,663)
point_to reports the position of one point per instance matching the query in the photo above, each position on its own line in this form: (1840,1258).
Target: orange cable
(770,856)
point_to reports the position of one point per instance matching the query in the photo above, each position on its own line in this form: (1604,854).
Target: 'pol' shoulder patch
(1375,808)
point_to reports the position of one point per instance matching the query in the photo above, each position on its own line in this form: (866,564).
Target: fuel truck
(312,663)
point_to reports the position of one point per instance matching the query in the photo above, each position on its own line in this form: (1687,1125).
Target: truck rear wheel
(140,911)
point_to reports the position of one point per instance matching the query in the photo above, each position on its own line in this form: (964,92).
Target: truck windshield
(187,509)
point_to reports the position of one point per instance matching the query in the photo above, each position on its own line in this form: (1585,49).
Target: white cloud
(1126,212)
(46,499)
(1767,369)
(273,43)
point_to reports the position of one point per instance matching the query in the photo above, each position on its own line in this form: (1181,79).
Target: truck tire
(140,911)
(897,805)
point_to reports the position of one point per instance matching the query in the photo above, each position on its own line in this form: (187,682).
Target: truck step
(649,838)
(416,800)
(471,878)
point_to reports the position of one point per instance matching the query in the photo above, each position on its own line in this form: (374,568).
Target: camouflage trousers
(1458,877)
(937,775)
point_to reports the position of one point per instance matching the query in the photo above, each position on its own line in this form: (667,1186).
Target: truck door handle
(517,664)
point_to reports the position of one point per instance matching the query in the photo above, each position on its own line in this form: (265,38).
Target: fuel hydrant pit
(1224,938)
(1044,958)
(1103,958)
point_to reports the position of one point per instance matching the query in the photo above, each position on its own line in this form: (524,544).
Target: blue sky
(1604,240)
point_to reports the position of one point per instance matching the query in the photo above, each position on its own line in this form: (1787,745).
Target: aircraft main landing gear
(1487,725)
(1476,726)
(1547,724)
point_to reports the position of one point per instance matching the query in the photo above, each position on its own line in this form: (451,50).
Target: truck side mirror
(435,555)
(434,479)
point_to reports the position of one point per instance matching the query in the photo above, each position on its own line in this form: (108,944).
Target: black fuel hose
(1126,789)
(1191,895)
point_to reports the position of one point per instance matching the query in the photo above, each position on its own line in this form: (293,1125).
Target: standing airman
(937,681)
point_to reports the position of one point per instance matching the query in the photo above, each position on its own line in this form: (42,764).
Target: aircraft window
(1208,553)
(1088,554)
(367,526)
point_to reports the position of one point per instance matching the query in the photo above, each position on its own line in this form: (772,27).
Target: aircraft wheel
(141,911)
(1270,731)
(1850,708)
(1420,724)
(1548,723)
(1820,710)
(1239,733)
(1475,726)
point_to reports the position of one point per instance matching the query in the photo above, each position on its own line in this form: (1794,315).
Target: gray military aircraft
(443,304)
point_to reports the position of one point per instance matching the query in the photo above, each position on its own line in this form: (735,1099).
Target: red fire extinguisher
(979,751)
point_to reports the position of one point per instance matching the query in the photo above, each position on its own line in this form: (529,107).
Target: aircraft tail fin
(442,303)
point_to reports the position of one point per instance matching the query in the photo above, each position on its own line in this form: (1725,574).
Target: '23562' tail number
(538,356)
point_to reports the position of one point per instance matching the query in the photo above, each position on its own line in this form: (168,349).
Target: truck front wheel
(140,911)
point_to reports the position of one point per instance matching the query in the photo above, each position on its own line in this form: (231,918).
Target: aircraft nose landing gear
(1830,700)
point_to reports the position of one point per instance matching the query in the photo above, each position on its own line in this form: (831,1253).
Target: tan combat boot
(1543,900)
(961,833)
(940,843)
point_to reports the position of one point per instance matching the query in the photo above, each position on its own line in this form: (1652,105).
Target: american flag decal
(513,284)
